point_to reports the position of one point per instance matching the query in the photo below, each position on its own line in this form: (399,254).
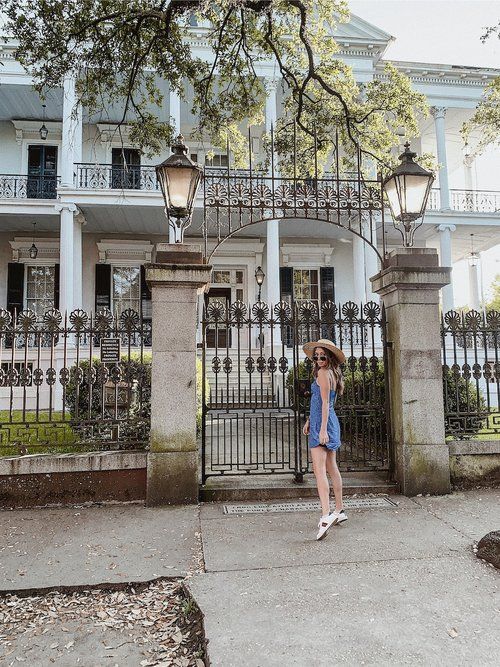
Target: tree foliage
(124,49)
(486,118)
(494,303)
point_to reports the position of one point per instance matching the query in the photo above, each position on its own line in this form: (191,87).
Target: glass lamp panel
(178,186)
(392,192)
(416,190)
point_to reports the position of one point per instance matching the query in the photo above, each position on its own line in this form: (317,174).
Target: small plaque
(110,350)
(309,506)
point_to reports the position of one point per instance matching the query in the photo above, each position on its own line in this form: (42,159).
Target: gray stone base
(172,478)
(426,470)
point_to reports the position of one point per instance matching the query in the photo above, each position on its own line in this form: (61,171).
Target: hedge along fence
(136,373)
(461,400)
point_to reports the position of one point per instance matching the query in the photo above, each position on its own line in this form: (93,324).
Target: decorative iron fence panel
(258,381)
(471,373)
(18,186)
(78,382)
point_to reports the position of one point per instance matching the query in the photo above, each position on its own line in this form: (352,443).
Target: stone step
(273,487)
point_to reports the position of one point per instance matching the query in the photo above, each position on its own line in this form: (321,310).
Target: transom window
(40,288)
(234,279)
(126,289)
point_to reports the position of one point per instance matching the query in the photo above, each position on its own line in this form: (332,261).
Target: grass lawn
(33,436)
(493,424)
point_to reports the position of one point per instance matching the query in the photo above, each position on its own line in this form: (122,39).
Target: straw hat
(326,344)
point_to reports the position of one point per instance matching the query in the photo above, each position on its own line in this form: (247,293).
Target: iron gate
(256,389)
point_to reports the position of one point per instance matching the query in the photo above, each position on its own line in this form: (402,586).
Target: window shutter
(56,286)
(145,296)
(327,284)
(15,287)
(286,283)
(102,286)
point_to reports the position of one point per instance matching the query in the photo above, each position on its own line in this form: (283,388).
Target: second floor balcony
(105,177)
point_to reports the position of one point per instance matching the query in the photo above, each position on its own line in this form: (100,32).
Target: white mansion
(95,230)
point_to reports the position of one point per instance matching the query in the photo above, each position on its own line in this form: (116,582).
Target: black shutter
(15,287)
(102,286)
(327,284)
(286,283)
(56,286)
(145,296)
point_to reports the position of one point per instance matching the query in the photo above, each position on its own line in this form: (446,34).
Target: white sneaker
(324,524)
(339,517)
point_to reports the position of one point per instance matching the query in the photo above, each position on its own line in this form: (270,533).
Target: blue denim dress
(332,427)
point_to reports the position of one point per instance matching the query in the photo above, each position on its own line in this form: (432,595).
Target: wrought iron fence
(78,382)
(256,397)
(471,373)
(17,186)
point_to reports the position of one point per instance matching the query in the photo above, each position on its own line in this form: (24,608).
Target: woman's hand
(323,436)
(305,430)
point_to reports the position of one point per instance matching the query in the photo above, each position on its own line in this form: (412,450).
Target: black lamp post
(44,133)
(259,277)
(33,250)
(179,178)
(407,190)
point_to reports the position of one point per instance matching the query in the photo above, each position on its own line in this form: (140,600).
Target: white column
(359,270)
(474,300)
(371,259)
(273,262)
(71,145)
(175,111)
(273,233)
(439,114)
(66,257)
(445,259)
(469,197)
(78,222)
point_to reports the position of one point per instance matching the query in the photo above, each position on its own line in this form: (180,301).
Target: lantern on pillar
(407,189)
(179,178)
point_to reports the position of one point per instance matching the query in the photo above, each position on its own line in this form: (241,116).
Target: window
(305,285)
(216,161)
(126,289)
(222,277)
(126,168)
(42,172)
(40,281)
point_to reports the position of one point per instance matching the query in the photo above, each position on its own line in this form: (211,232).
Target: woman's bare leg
(319,465)
(333,471)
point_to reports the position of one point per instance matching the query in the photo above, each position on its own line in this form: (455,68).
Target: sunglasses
(319,358)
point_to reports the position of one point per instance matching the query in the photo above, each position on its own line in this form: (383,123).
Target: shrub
(464,406)
(140,391)
(465,409)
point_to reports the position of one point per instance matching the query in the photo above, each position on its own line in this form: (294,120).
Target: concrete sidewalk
(91,545)
(393,586)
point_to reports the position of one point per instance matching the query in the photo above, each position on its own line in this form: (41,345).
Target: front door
(42,172)
(219,336)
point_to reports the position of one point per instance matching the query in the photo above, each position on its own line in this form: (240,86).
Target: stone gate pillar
(175,279)
(409,288)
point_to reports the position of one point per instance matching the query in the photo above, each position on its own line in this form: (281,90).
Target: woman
(323,428)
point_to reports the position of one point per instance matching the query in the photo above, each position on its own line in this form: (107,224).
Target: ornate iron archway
(236,199)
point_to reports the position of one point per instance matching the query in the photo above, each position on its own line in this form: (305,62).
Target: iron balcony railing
(23,186)
(111,177)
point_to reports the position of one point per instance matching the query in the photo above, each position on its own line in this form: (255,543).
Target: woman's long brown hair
(334,367)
